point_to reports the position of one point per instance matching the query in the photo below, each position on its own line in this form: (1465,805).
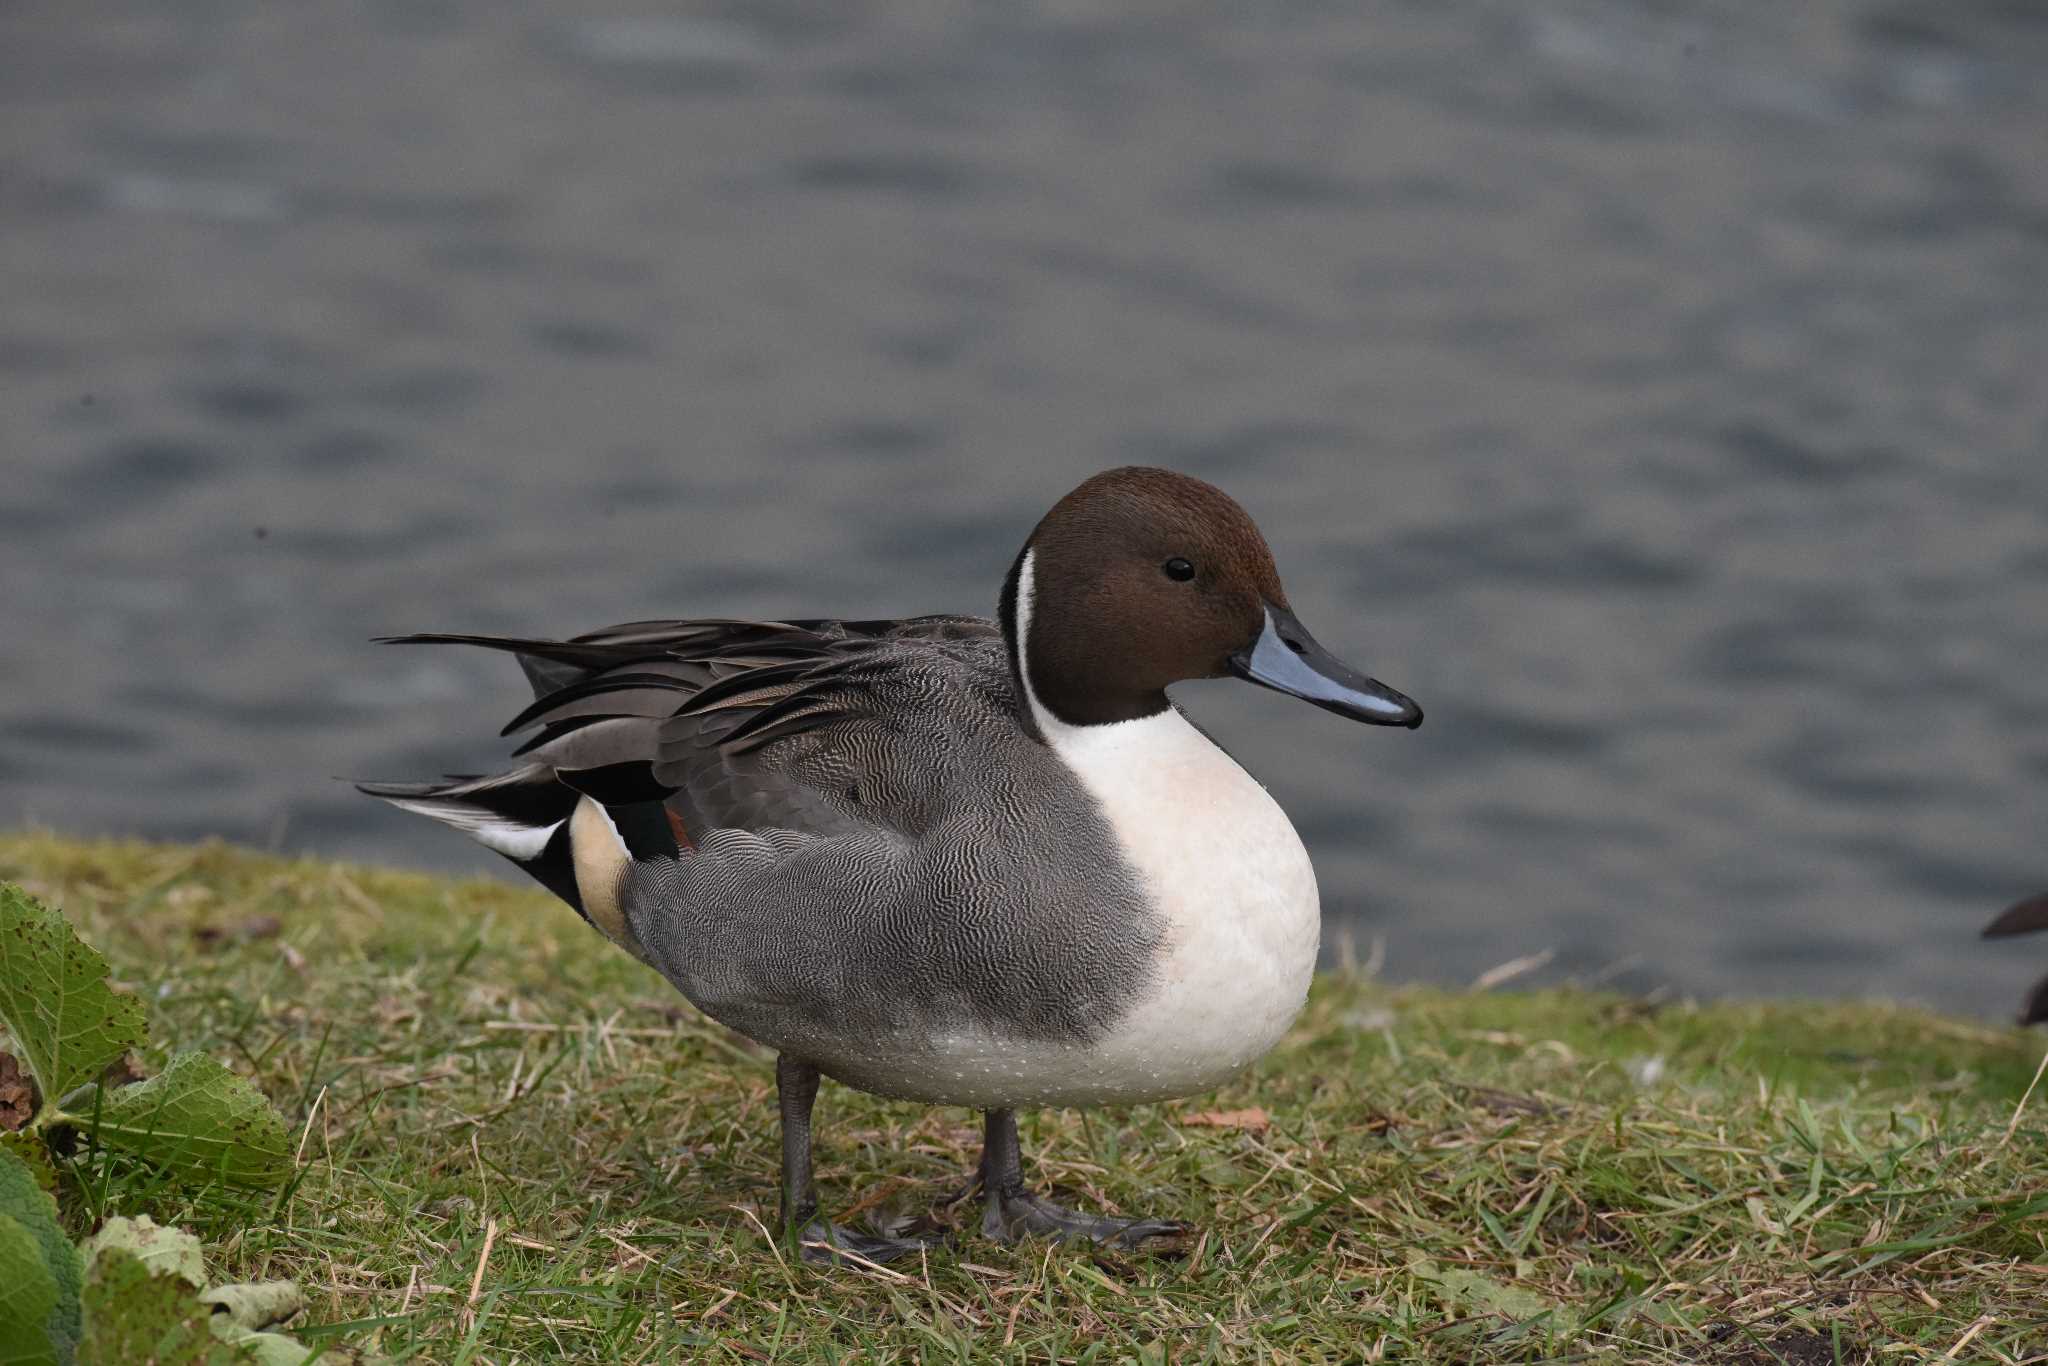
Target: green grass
(517,1145)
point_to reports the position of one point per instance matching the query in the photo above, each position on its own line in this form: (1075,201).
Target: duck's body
(948,859)
(913,892)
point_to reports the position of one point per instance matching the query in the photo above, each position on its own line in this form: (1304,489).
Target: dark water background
(1656,391)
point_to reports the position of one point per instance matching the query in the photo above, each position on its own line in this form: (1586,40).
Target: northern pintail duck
(2023,918)
(947,859)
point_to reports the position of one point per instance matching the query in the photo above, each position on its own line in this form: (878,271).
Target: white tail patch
(492,831)
(600,859)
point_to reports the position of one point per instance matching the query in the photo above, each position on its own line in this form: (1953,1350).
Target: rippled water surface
(1654,391)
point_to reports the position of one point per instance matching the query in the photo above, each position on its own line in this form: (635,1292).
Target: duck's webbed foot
(822,1243)
(1012,1216)
(1013,1213)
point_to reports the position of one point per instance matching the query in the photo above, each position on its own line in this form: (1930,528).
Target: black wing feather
(716,712)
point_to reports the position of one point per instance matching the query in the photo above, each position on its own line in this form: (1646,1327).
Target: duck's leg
(796,1087)
(1014,1212)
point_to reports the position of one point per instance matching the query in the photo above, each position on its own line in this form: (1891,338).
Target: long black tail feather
(522,815)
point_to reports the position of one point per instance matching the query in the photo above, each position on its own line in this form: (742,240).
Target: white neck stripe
(1049,725)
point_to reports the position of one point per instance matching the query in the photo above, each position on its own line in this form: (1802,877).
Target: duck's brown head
(1143,577)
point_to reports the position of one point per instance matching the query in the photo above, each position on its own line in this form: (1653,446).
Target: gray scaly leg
(796,1087)
(1014,1212)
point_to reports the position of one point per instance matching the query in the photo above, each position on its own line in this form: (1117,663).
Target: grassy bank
(520,1146)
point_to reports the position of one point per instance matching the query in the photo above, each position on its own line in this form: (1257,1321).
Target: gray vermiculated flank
(904,864)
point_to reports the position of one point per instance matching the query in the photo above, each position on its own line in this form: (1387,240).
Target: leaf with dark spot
(133,1316)
(67,1023)
(197,1119)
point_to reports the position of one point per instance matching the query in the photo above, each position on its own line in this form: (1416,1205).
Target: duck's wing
(737,724)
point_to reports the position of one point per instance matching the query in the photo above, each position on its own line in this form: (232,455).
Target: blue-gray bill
(1287,659)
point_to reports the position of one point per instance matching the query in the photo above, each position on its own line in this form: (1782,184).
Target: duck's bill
(1287,659)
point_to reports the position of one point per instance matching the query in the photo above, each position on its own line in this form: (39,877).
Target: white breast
(1225,869)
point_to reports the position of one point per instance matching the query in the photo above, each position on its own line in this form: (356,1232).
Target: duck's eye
(1177,569)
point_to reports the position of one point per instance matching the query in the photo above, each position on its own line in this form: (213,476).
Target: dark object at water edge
(2028,915)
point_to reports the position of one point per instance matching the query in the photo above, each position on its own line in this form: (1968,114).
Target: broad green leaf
(163,1250)
(30,1207)
(198,1119)
(132,1316)
(67,1023)
(28,1295)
